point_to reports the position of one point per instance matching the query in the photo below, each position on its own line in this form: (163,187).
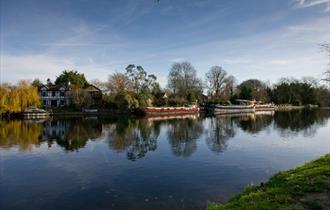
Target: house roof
(52,87)
(92,88)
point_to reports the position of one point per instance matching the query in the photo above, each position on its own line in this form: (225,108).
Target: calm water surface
(95,163)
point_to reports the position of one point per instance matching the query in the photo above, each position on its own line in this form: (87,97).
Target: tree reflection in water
(20,133)
(300,121)
(71,134)
(254,123)
(182,135)
(136,137)
(220,130)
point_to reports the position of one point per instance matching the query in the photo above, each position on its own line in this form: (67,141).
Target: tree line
(135,88)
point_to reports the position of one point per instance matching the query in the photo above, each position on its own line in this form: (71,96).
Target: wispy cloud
(311,3)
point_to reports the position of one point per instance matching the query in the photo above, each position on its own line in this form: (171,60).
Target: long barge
(265,107)
(169,110)
(231,109)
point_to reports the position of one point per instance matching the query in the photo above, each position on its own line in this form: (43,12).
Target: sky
(261,39)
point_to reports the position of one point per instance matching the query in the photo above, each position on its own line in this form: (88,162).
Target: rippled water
(154,163)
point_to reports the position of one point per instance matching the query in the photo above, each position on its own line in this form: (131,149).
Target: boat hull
(169,110)
(218,109)
(265,107)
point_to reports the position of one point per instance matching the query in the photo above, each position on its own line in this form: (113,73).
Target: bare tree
(119,83)
(182,79)
(219,83)
(326,48)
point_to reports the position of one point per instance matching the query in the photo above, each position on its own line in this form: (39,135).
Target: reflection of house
(52,95)
(55,130)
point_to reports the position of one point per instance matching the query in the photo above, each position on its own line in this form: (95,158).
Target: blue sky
(263,39)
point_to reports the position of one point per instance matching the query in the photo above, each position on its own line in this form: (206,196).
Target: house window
(62,102)
(53,93)
(62,93)
(43,93)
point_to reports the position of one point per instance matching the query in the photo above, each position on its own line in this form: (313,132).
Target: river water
(151,163)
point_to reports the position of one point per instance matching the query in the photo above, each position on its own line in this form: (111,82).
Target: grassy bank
(305,187)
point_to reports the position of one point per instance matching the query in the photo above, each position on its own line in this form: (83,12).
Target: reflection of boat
(229,115)
(33,113)
(169,110)
(246,114)
(230,109)
(36,120)
(265,112)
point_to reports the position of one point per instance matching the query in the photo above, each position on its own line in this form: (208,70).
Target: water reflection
(137,137)
(254,123)
(306,122)
(220,155)
(183,134)
(24,135)
(221,129)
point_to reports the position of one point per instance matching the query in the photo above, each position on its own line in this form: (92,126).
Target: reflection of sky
(98,175)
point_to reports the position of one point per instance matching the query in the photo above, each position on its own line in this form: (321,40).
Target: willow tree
(18,97)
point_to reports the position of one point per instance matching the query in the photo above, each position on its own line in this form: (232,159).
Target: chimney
(49,82)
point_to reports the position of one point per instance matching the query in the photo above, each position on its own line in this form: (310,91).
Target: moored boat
(265,107)
(219,109)
(34,113)
(169,110)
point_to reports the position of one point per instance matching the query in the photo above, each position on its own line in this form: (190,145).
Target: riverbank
(304,187)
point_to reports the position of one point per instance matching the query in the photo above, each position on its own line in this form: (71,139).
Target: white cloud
(15,68)
(311,3)
(288,51)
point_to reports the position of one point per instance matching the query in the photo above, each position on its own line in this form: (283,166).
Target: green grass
(305,187)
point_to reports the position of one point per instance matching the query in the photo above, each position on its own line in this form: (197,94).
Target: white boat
(33,113)
(218,109)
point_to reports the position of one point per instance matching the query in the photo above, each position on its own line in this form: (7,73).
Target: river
(151,163)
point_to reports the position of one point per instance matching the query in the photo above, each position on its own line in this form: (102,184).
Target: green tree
(73,77)
(142,83)
(36,83)
(253,89)
(292,91)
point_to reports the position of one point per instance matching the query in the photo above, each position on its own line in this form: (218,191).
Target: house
(95,94)
(52,95)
